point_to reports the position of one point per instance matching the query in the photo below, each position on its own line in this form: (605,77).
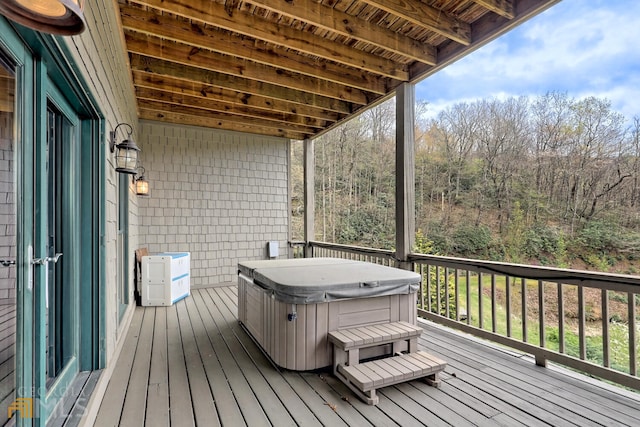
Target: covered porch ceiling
(295,68)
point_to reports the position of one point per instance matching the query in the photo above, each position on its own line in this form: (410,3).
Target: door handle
(47,259)
(43,261)
(7,262)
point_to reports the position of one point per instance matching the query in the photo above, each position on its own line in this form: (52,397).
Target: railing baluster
(429,267)
(468,308)
(541,313)
(606,358)
(446,292)
(507,282)
(560,318)
(581,324)
(438,305)
(633,356)
(480,311)
(523,286)
(540,358)
(494,323)
(457,294)
(422,285)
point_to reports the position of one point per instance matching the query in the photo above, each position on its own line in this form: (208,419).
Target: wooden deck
(193,364)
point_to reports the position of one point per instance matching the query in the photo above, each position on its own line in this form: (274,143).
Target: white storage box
(166,278)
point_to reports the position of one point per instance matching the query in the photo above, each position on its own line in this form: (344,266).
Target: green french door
(57,225)
(16,231)
(51,217)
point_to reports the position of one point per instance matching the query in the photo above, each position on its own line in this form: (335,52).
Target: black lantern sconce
(126,152)
(141,183)
(62,17)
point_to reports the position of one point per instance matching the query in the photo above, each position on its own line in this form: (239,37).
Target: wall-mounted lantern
(63,17)
(126,152)
(142,185)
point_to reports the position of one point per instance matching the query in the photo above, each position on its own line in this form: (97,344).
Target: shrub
(438,237)
(364,227)
(599,237)
(423,244)
(541,241)
(472,241)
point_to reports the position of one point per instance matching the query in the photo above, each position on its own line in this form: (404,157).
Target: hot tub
(289,306)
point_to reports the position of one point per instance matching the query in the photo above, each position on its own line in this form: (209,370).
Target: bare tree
(502,138)
(597,146)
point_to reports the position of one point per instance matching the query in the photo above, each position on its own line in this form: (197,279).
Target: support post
(309,196)
(405,174)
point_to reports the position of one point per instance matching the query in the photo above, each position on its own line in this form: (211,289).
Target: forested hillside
(549,180)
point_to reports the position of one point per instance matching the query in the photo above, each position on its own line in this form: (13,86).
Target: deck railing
(588,321)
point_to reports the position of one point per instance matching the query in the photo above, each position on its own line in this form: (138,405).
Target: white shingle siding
(101,61)
(219,195)
(7,211)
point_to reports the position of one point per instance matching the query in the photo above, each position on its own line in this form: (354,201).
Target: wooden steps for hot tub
(364,378)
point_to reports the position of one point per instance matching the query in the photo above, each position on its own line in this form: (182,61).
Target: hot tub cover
(317,280)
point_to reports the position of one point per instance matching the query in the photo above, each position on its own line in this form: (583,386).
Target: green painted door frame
(46,78)
(55,163)
(21,59)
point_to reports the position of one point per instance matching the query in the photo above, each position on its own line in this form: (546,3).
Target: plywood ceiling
(294,68)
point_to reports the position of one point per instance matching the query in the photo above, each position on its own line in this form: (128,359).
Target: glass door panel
(8,244)
(56,249)
(59,304)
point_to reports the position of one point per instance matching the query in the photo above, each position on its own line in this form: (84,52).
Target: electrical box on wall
(273,249)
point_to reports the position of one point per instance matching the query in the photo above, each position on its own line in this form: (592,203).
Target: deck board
(180,409)
(133,412)
(268,401)
(591,407)
(294,406)
(193,363)
(201,397)
(234,394)
(158,392)
(113,400)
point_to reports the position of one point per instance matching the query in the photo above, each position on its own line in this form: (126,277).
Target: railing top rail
(618,282)
(610,281)
(355,249)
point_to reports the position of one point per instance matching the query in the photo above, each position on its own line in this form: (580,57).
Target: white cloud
(580,47)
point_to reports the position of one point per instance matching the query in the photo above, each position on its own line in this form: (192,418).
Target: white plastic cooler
(166,278)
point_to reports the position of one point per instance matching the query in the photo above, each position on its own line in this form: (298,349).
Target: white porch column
(405,173)
(309,195)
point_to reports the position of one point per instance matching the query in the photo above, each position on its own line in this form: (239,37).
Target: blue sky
(581,47)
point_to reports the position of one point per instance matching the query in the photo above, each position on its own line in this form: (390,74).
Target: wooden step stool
(364,378)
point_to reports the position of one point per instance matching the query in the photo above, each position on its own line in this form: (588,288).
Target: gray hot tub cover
(317,280)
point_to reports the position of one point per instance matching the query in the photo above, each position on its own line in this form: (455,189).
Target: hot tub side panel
(252,301)
(302,344)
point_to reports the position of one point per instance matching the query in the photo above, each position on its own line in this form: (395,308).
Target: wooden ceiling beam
(217,123)
(205,91)
(330,19)
(195,74)
(501,7)
(216,115)
(210,38)
(215,105)
(195,57)
(241,22)
(419,13)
